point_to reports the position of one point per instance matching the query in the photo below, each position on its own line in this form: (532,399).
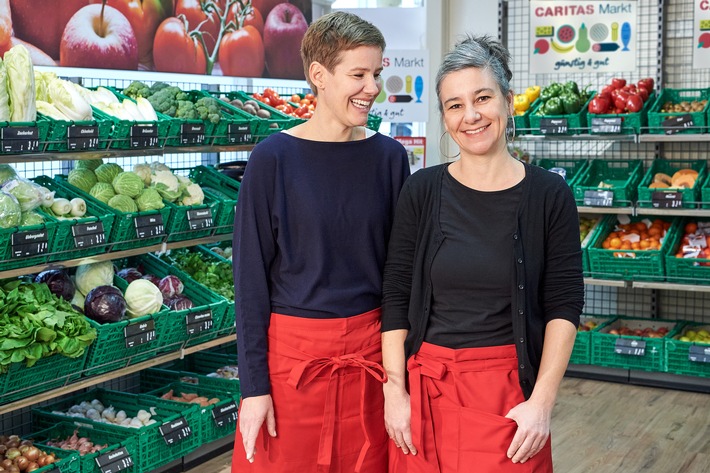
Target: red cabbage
(170,286)
(179,302)
(152,278)
(105,304)
(59,282)
(129,274)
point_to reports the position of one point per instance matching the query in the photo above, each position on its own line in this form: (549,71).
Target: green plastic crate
(685,270)
(64,245)
(222,188)
(67,462)
(216,249)
(582,349)
(604,345)
(623,175)
(152,449)
(96,434)
(670,167)
(42,125)
(631,123)
(576,122)
(58,132)
(522,122)
(678,353)
(656,118)
(704,191)
(264,127)
(197,369)
(122,130)
(237,127)
(596,221)
(8,260)
(573,167)
(179,227)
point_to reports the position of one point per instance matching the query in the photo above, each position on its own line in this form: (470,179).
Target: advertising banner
(701,35)
(583,36)
(416,151)
(404,96)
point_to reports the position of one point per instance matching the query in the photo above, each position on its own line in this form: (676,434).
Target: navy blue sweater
(310,236)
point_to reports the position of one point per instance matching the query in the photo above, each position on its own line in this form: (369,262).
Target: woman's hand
(254,411)
(533,430)
(398,417)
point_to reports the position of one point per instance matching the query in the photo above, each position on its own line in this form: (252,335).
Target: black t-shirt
(472,271)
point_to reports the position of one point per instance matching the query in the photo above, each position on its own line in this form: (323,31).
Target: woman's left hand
(533,430)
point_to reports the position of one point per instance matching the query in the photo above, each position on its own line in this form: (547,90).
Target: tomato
(241,53)
(192,9)
(253,17)
(310,97)
(265,6)
(301,110)
(691,227)
(295,98)
(175,51)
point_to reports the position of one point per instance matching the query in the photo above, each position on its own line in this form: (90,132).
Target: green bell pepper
(553,106)
(571,86)
(552,90)
(571,103)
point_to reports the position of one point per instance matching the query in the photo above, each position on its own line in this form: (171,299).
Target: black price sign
(239,134)
(175,431)
(553,126)
(625,346)
(114,461)
(192,134)
(54,470)
(199,219)
(82,137)
(87,235)
(676,124)
(666,200)
(29,243)
(148,226)
(225,415)
(144,136)
(606,125)
(19,139)
(594,198)
(197,322)
(139,333)
(699,354)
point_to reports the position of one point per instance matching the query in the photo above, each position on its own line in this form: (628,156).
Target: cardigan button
(522,340)
(515,236)
(520,311)
(520,260)
(522,367)
(521,287)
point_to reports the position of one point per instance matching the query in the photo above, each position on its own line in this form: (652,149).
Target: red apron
(459,399)
(326,384)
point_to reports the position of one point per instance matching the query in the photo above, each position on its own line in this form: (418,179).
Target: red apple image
(265,6)
(283,31)
(99,36)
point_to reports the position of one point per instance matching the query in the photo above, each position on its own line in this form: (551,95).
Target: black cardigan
(548,262)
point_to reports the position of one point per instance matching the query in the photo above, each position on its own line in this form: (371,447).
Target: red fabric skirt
(459,399)
(326,384)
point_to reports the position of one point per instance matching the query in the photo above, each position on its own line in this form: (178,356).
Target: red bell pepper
(647,84)
(599,105)
(618,83)
(634,103)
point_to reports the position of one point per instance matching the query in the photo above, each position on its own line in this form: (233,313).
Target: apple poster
(242,38)
(701,35)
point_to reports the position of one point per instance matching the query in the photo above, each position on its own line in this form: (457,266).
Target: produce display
(170,287)
(682,179)
(695,335)
(190,398)
(587,326)
(17,92)
(619,97)
(301,108)
(642,235)
(226,372)
(523,102)
(22,456)
(96,411)
(215,275)
(695,242)
(83,445)
(585,226)
(562,99)
(646,332)
(172,101)
(684,106)
(224,252)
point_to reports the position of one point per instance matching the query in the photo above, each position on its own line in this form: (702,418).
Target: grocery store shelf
(606,210)
(88,382)
(584,137)
(675,212)
(675,138)
(669,286)
(606,282)
(642,378)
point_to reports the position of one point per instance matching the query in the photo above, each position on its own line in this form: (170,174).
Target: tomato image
(175,51)
(196,17)
(241,53)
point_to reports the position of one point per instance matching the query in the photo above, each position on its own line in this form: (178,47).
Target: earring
(510,130)
(442,153)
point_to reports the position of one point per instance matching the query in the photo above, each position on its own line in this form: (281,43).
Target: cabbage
(6,173)
(179,302)
(102,191)
(31,218)
(143,170)
(27,193)
(10,212)
(90,164)
(89,276)
(107,172)
(128,183)
(68,100)
(156,166)
(4,97)
(59,282)
(21,84)
(47,109)
(149,199)
(83,179)
(142,298)
(129,274)
(123,203)
(192,195)
(42,79)
(78,301)
(105,304)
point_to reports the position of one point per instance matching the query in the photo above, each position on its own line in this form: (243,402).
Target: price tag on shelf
(699,354)
(197,322)
(239,134)
(666,200)
(553,126)
(148,226)
(54,470)
(677,123)
(200,219)
(87,235)
(19,139)
(593,198)
(144,136)
(29,243)
(606,125)
(114,461)
(226,414)
(139,333)
(192,133)
(82,137)
(175,431)
(627,346)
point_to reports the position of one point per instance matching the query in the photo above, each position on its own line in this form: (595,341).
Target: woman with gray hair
(482,289)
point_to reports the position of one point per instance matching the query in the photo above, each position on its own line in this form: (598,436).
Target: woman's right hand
(254,411)
(398,416)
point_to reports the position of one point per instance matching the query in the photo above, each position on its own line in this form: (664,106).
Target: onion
(23,448)
(49,459)
(32,467)
(12,453)
(32,454)
(13,469)
(22,463)
(6,463)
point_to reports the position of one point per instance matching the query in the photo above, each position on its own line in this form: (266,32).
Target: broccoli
(186,110)
(208,109)
(137,89)
(164,101)
(157,87)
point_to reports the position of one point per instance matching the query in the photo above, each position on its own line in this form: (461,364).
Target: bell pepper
(521,102)
(533,92)
(571,86)
(618,83)
(647,84)
(599,105)
(553,106)
(552,90)
(571,103)
(634,103)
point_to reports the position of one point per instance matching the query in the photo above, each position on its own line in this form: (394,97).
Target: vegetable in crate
(215,275)
(59,283)
(107,172)
(129,274)
(142,298)
(82,178)
(128,183)
(179,302)
(171,286)
(105,304)
(30,218)
(562,99)
(20,84)
(10,211)
(103,192)
(90,164)
(28,194)
(123,203)
(7,173)
(23,455)
(82,445)
(89,276)
(619,97)
(149,199)
(4,97)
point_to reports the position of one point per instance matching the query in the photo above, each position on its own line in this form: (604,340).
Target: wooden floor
(602,427)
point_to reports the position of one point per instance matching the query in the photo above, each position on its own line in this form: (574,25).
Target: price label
(87,235)
(197,322)
(175,431)
(699,354)
(676,124)
(226,414)
(19,139)
(82,137)
(553,126)
(199,219)
(606,125)
(594,198)
(239,134)
(144,136)
(666,200)
(114,461)
(148,226)
(29,243)
(54,470)
(192,133)
(626,346)
(139,333)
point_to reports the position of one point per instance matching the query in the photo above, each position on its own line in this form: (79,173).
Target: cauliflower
(166,184)
(193,195)
(143,170)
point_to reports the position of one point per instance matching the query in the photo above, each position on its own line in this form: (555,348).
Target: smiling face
(475,111)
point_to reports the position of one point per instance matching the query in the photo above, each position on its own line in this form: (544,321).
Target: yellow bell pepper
(521,103)
(533,92)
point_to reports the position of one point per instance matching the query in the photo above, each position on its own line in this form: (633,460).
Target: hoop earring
(442,153)
(510,130)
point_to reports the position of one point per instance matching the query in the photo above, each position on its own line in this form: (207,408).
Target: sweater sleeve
(254,249)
